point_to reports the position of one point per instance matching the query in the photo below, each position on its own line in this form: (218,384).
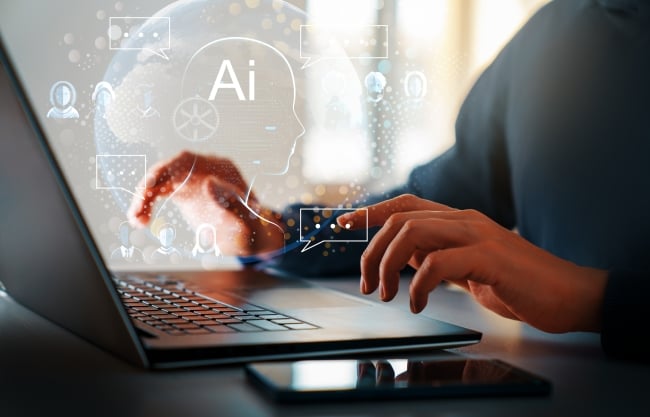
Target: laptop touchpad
(297,298)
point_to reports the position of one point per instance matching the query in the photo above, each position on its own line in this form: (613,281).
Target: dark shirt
(554,140)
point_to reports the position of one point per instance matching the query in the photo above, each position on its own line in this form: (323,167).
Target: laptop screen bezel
(126,345)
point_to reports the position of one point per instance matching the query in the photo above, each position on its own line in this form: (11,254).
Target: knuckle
(472,213)
(431,261)
(409,198)
(365,260)
(410,226)
(409,230)
(394,220)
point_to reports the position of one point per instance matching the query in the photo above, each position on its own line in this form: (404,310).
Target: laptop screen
(317,103)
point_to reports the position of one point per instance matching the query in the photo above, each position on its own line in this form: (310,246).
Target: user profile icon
(63,97)
(206,241)
(103,96)
(375,85)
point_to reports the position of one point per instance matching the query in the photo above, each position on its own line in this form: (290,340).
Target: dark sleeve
(474,173)
(625,307)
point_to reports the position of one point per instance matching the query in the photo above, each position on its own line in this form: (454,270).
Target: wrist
(588,299)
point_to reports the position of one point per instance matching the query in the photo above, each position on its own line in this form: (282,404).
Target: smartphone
(365,379)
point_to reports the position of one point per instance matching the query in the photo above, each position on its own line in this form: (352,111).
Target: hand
(211,190)
(503,271)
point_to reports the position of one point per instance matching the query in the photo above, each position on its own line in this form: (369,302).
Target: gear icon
(196,119)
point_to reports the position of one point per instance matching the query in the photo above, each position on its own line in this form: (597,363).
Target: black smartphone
(366,379)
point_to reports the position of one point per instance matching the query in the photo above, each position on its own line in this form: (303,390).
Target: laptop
(52,261)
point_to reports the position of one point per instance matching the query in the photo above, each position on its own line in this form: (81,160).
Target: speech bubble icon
(121,172)
(319,42)
(129,33)
(318,225)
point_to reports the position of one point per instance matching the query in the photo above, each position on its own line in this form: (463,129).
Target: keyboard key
(186,326)
(204,322)
(163,316)
(245,327)
(199,309)
(244,318)
(197,331)
(142,309)
(273,316)
(175,321)
(301,326)
(193,298)
(266,325)
(184,304)
(229,321)
(250,307)
(262,312)
(176,332)
(185,313)
(220,329)
(174,310)
(287,321)
(216,316)
(132,303)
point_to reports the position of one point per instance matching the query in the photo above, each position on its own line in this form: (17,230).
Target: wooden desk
(44,371)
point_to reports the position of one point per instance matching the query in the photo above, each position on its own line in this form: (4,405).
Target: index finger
(377,214)
(160,181)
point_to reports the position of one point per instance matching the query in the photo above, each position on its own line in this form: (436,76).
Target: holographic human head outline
(282,137)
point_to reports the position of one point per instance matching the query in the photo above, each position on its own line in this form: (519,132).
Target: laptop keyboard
(179,311)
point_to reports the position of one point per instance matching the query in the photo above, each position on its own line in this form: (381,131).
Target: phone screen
(392,378)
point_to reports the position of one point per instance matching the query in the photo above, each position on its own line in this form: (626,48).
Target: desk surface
(44,370)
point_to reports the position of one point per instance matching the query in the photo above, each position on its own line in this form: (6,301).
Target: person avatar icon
(206,241)
(415,85)
(166,252)
(375,84)
(145,109)
(126,251)
(102,97)
(63,97)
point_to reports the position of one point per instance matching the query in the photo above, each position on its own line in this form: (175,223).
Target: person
(539,209)
(63,97)
(126,251)
(166,252)
(206,242)
(103,96)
